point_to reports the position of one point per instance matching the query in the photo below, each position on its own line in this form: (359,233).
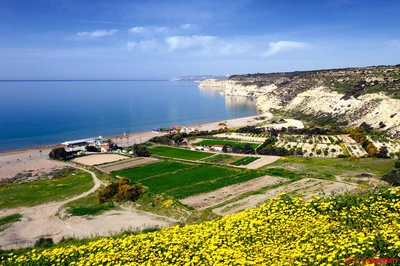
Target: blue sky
(121,39)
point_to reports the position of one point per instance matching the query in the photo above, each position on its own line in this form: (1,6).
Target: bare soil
(99,159)
(128,164)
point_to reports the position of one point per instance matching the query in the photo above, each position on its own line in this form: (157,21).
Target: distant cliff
(348,96)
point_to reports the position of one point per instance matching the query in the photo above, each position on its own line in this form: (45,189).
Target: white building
(80,144)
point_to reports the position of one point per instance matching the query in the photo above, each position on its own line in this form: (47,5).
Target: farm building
(80,144)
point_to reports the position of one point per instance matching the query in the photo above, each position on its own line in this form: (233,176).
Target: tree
(91,148)
(392,178)
(383,152)
(247,149)
(58,154)
(140,150)
(225,148)
(237,149)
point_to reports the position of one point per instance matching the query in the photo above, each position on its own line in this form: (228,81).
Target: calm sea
(36,113)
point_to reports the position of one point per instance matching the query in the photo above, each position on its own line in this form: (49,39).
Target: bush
(392,178)
(120,191)
(397,164)
(44,242)
(58,154)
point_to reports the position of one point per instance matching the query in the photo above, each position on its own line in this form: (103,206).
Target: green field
(245,160)
(179,153)
(211,142)
(39,192)
(181,180)
(331,167)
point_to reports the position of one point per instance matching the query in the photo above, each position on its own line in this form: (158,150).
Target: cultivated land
(215,197)
(128,163)
(181,180)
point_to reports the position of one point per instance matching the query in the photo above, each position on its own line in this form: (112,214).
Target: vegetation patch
(331,167)
(39,192)
(87,206)
(6,221)
(284,230)
(179,153)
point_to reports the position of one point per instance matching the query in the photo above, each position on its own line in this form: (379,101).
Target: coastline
(31,159)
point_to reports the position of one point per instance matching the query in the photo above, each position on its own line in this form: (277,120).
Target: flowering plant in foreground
(283,231)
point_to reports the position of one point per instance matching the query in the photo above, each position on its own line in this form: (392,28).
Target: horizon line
(76,80)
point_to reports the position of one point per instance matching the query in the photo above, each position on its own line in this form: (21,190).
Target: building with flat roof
(80,144)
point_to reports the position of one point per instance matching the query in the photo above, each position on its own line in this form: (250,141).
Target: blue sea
(38,113)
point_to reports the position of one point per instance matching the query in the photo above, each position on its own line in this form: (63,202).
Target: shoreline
(35,159)
(203,126)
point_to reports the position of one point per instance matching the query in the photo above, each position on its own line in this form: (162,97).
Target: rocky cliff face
(350,96)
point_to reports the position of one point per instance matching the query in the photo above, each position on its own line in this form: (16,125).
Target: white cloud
(144,45)
(131,45)
(97,33)
(148,30)
(185,42)
(187,26)
(284,46)
(137,29)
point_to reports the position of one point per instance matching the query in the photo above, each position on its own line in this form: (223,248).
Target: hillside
(346,230)
(345,96)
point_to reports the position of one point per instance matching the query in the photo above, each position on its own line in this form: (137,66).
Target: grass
(7,220)
(39,192)
(245,161)
(148,170)
(87,206)
(179,153)
(211,142)
(331,167)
